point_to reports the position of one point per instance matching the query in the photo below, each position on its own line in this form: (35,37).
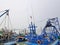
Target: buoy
(38,41)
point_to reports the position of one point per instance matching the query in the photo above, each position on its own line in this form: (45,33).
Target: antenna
(32,11)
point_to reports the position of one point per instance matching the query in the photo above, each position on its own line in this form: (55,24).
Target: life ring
(39,42)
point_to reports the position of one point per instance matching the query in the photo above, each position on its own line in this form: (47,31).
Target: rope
(2,21)
(10,23)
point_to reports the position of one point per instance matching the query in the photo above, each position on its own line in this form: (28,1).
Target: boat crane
(7,14)
(53,25)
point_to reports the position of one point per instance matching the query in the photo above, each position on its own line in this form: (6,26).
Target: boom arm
(6,12)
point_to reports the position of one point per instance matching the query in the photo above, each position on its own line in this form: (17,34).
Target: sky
(21,10)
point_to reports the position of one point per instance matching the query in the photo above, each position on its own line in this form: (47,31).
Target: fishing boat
(7,36)
(49,34)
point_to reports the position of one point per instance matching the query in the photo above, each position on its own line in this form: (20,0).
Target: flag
(31,17)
